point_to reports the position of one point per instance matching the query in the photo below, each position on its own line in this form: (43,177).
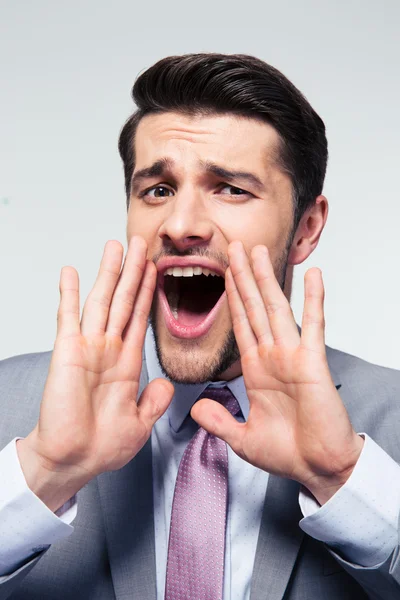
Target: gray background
(66,72)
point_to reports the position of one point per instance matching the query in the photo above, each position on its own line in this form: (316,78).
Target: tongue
(190,319)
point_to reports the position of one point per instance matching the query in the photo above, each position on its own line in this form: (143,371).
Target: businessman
(220,453)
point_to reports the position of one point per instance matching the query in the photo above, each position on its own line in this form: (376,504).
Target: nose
(187,223)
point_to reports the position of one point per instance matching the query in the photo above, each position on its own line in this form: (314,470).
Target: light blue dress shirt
(246,484)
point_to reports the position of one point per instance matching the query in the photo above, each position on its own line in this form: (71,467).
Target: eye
(156,194)
(232,190)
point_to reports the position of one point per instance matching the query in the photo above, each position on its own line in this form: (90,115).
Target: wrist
(53,484)
(324,486)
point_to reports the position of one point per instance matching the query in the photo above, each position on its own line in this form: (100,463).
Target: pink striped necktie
(196,551)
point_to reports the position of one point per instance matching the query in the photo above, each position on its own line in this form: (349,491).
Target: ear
(308,231)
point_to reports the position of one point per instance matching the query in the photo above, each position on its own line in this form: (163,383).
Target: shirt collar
(186,394)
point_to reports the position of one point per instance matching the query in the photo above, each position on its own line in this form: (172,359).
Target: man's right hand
(90,420)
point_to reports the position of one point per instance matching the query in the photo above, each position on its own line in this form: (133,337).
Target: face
(201,182)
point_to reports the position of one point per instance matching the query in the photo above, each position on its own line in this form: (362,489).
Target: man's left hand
(297,426)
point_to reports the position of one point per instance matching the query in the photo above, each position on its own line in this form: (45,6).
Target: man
(224,167)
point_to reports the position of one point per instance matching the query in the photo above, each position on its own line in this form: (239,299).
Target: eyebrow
(224,173)
(157,169)
(165,165)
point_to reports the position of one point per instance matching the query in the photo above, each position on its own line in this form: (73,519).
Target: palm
(89,414)
(98,362)
(285,388)
(297,425)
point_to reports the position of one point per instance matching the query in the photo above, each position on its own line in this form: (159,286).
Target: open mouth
(191,297)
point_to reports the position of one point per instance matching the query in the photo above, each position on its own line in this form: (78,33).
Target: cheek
(254,227)
(139,223)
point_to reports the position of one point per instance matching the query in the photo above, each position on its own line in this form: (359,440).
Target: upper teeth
(189,271)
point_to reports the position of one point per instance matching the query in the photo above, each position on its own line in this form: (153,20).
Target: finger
(68,311)
(97,305)
(249,292)
(154,401)
(218,421)
(127,287)
(282,323)
(244,334)
(313,323)
(135,330)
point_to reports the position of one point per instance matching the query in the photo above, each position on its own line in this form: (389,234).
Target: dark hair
(241,85)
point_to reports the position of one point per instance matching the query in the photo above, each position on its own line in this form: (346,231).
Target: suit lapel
(127,502)
(280,536)
(278,541)
(126,498)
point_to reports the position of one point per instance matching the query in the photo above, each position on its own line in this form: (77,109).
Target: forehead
(235,140)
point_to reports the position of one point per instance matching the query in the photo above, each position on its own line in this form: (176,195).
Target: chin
(187,371)
(194,361)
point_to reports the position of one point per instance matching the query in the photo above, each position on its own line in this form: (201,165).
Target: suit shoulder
(25,363)
(23,369)
(22,380)
(371,394)
(347,368)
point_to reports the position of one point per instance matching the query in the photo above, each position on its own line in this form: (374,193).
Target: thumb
(154,400)
(218,421)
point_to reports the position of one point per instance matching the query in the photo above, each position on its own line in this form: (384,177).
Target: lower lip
(184,331)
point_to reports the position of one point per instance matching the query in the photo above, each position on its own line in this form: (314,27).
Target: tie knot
(224,396)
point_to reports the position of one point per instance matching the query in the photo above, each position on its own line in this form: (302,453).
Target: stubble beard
(184,366)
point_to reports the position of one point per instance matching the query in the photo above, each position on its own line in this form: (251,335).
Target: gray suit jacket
(111,553)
